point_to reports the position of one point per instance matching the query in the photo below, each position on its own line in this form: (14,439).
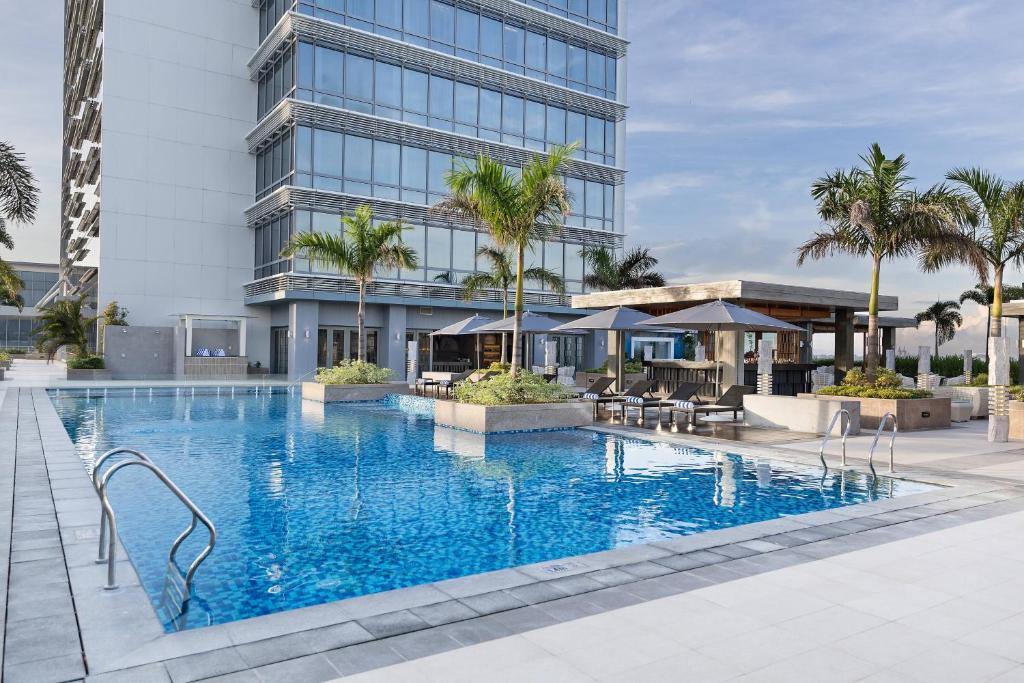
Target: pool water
(316,503)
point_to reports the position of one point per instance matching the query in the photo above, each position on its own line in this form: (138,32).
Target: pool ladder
(888,417)
(108,522)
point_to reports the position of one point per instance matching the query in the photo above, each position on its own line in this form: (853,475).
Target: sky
(735,108)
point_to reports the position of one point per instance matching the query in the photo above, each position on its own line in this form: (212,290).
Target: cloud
(664,184)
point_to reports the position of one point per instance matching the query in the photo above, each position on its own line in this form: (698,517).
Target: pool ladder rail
(108,521)
(888,417)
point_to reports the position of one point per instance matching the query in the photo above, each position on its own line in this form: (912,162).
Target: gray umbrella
(469,325)
(721,316)
(619,320)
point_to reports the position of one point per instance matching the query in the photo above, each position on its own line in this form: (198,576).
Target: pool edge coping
(145,642)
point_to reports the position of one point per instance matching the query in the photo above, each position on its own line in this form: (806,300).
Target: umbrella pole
(718,364)
(620,338)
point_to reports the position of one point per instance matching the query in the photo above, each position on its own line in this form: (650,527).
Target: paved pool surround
(115,635)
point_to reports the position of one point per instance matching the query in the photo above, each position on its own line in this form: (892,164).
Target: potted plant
(511,403)
(351,380)
(63,325)
(88,367)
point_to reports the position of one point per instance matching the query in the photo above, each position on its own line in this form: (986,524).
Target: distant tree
(994,227)
(635,270)
(873,212)
(359,252)
(10,286)
(62,324)
(984,295)
(501,275)
(113,314)
(945,315)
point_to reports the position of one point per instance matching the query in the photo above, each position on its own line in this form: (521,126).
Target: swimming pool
(317,503)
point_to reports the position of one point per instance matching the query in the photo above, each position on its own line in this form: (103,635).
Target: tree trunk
(504,316)
(936,340)
(361,322)
(517,345)
(996,323)
(988,331)
(871,361)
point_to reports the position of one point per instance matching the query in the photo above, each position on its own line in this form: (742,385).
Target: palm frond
(19,191)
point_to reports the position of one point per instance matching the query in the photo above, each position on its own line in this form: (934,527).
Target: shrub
(115,315)
(353,372)
(504,390)
(980,380)
(888,379)
(856,378)
(873,392)
(4,356)
(632,367)
(85,363)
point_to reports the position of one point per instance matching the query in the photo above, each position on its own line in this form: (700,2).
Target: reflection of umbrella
(720,316)
(619,320)
(470,325)
(533,323)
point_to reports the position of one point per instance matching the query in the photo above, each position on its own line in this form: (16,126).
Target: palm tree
(517,211)
(359,252)
(61,324)
(501,276)
(19,198)
(635,270)
(946,317)
(10,286)
(873,212)
(19,194)
(994,225)
(984,295)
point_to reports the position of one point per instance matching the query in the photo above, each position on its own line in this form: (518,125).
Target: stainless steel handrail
(197,516)
(100,558)
(828,435)
(892,442)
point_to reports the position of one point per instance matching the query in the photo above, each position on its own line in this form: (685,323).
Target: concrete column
(392,346)
(998,400)
(807,344)
(1020,350)
(731,349)
(844,343)
(888,339)
(303,325)
(615,340)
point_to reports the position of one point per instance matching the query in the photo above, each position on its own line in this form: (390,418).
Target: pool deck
(737,602)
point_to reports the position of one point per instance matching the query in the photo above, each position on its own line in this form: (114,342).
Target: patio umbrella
(533,323)
(469,325)
(619,320)
(720,316)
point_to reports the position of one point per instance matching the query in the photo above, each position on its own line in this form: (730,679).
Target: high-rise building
(200,135)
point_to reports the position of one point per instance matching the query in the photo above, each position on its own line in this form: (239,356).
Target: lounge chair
(730,402)
(687,391)
(601,388)
(636,392)
(439,384)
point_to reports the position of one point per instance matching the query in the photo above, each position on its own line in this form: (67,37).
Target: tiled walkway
(944,606)
(714,606)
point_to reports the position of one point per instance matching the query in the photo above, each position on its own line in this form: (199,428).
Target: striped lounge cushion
(590,396)
(685,405)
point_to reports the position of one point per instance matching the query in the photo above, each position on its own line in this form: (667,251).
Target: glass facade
(17,333)
(407,169)
(460,29)
(37,283)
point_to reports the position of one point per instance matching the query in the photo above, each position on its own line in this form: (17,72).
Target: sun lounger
(730,402)
(636,393)
(687,391)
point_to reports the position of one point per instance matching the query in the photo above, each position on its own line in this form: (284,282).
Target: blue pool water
(314,503)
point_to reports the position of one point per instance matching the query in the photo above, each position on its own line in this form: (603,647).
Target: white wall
(176,173)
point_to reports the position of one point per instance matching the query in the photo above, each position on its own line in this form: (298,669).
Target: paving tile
(473,631)
(63,668)
(575,585)
(573,607)
(423,643)
(365,657)
(41,638)
(151,673)
(392,624)
(444,612)
(612,577)
(276,649)
(337,636)
(646,570)
(205,665)
(309,669)
(522,619)
(490,603)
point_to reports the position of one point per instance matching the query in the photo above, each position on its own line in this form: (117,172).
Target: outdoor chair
(601,388)
(730,402)
(638,391)
(438,384)
(684,393)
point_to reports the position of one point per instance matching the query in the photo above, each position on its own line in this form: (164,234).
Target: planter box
(89,375)
(5,365)
(978,397)
(340,393)
(799,414)
(1016,420)
(911,413)
(521,418)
